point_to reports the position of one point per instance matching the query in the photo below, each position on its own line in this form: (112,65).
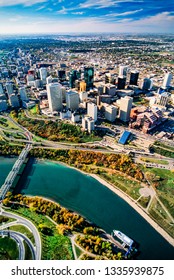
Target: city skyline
(62,16)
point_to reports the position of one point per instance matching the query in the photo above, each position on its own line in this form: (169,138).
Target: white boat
(123,237)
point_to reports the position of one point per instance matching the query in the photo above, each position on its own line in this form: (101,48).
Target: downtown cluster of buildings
(81,94)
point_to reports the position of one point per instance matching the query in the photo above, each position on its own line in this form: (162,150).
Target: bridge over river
(14,172)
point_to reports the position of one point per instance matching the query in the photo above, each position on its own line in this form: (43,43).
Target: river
(85,195)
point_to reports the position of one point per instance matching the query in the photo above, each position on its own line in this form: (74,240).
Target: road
(31,227)
(17,238)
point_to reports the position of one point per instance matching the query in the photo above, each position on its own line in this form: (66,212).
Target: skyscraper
(134,78)
(54,96)
(121,82)
(23,94)
(122,70)
(163,99)
(147,84)
(9,88)
(72,100)
(110,113)
(89,77)
(125,108)
(82,86)
(92,111)
(61,75)
(1,89)
(167,80)
(73,76)
(43,74)
(14,101)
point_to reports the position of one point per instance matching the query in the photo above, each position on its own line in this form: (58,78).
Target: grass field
(164,185)
(8,249)
(128,186)
(158,214)
(153,160)
(143,201)
(78,251)
(4,123)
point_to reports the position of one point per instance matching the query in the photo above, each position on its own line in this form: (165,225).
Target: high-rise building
(54,96)
(9,88)
(107,78)
(61,75)
(92,111)
(83,96)
(110,89)
(23,94)
(82,86)
(163,99)
(121,82)
(63,90)
(72,100)
(14,101)
(3,105)
(134,78)
(30,79)
(77,85)
(89,77)
(3,97)
(1,89)
(49,80)
(73,76)
(122,70)
(125,108)
(167,80)
(110,113)
(43,74)
(88,124)
(38,83)
(147,84)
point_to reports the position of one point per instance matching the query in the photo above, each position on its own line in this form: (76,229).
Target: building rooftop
(124,137)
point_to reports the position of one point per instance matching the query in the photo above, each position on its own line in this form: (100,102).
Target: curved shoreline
(136,207)
(126,198)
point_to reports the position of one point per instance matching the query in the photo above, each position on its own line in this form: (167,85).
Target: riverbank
(126,198)
(136,207)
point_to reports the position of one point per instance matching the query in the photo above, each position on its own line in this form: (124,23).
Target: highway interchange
(19,237)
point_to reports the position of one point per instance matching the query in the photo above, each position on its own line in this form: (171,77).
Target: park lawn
(33,110)
(165,187)
(8,249)
(153,160)
(78,251)
(158,214)
(58,248)
(90,138)
(144,201)
(122,182)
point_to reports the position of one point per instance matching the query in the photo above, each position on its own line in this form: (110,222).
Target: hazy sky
(62,16)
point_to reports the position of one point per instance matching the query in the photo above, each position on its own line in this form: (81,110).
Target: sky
(78,16)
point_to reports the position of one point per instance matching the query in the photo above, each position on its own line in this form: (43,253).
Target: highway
(17,238)
(36,249)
